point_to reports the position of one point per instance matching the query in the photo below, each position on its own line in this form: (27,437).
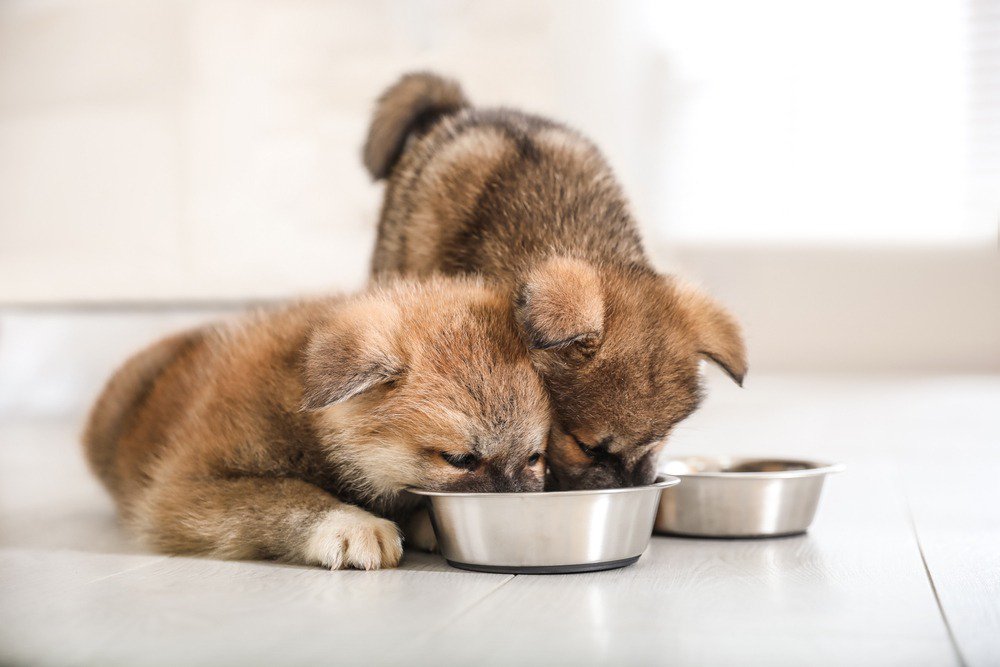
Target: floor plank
(853,591)
(923,462)
(958,528)
(76,589)
(203,612)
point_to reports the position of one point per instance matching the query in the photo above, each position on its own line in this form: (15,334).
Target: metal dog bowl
(741,497)
(543,533)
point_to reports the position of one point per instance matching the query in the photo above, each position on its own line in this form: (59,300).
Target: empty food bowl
(546,532)
(741,497)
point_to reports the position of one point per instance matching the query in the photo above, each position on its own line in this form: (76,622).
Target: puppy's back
(488,191)
(178,392)
(119,407)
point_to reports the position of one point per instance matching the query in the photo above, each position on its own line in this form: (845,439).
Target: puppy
(533,205)
(292,434)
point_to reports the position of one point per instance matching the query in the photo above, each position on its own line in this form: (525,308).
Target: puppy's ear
(717,333)
(561,302)
(352,352)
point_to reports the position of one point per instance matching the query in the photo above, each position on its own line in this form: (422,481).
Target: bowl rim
(662,481)
(817,467)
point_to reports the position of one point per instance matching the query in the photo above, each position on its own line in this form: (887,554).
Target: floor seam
(930,579)
(125,571)
(444,624)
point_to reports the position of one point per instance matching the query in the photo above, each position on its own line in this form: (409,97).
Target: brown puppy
(532,204)
(293,433)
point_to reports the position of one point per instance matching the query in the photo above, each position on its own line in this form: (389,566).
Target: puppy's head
(428,385)
(619,350)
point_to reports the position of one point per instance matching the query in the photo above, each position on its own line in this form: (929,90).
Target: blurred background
(831,170)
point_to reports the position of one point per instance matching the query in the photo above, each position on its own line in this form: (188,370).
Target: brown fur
(534,206)
(293,433)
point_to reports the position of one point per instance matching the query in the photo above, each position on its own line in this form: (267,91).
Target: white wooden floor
(902,565)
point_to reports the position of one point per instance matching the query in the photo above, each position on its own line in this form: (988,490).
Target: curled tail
(410,106)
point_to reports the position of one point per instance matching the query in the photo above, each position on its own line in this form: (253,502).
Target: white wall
(845,309)
(804,160)
(155,149)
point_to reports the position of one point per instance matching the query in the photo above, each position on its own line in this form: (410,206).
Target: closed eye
(467,461)
(600,450)
(589,451)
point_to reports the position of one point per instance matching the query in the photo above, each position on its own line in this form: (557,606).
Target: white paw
(351,537)
(420,533)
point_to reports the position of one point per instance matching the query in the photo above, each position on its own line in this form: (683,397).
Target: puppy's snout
(610,474)
(643,473)
(640,474)
(501,481)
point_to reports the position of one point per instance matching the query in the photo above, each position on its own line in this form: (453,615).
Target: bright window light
(855,121)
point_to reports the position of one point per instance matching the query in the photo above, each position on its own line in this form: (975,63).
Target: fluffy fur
(293,433)
(533,206)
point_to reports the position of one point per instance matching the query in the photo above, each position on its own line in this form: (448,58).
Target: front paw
(420,533)
(351,537)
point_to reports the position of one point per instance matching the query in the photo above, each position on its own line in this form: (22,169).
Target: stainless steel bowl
(539,533)
(741,497)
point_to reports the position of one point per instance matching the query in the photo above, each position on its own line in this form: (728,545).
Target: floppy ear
(352,352)
(718,336)
(561,302)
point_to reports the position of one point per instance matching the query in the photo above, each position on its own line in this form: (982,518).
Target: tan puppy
(292,433)
(533,205)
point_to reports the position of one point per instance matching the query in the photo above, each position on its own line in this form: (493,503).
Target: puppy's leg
(256,517)
(419,533)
